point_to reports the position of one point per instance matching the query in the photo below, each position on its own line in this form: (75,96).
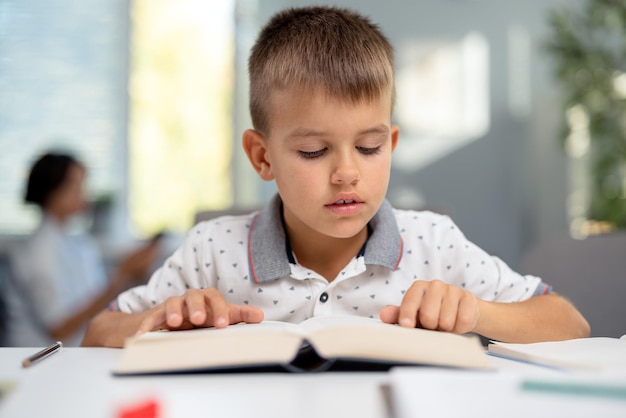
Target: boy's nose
(345,172)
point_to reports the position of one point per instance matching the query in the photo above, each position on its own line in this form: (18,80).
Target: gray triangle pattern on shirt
(360,288)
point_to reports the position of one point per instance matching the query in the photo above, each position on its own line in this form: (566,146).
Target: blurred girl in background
(58,281)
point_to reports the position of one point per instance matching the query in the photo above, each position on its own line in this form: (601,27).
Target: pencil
(27,362)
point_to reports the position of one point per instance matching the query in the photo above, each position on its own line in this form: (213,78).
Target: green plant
(589,49)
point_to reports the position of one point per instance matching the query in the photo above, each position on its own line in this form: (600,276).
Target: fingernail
(138,333)
(196,314)
(220,322)
(406,322)
(172,317)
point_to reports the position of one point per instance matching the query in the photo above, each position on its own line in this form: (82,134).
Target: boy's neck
(326,255)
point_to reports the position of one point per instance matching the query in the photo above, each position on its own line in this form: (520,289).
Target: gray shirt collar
(267,245)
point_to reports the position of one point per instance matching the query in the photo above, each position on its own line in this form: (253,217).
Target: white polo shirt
(248,259)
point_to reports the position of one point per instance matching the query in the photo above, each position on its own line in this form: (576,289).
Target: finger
(430,307)
(218,307)
(407,316)
(174,314)
(449,309)
(467,315)
(196,305)
(152,321)
(245,313)
(390,314)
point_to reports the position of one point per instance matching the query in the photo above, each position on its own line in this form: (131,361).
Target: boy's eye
(312,154)
(368,151)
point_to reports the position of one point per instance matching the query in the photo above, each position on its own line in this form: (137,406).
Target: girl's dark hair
(46,175)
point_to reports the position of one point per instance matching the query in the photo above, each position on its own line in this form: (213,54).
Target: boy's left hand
(435,305)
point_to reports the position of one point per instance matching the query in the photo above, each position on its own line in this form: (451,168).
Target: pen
(27,362)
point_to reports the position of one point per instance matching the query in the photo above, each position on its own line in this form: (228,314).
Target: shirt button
(324,297)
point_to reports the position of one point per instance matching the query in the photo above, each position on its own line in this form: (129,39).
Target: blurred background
(511,113)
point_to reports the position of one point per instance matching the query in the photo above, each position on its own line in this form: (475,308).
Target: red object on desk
(146,409)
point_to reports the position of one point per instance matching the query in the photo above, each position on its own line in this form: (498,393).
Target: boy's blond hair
(334,49)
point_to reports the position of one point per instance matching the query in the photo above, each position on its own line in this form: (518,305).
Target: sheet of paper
(427,393)
(599,353)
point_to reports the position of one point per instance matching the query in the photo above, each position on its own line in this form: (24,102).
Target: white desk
(77,383)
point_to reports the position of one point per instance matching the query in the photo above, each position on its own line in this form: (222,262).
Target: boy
(322,92)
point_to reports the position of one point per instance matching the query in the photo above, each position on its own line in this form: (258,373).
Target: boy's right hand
(198,308)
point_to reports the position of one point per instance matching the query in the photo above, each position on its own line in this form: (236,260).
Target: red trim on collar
(400,255)
(252,273)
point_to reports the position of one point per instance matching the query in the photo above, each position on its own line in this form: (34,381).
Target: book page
(358,338)
(311,325)
(250,345)
(264,327)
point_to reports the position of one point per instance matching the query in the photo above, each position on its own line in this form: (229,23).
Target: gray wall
(508,189)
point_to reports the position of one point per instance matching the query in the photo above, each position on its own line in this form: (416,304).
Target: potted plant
(588,47)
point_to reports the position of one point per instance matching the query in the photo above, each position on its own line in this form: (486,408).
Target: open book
(317,344)
(597,353)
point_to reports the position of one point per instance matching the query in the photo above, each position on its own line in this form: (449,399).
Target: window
(144,101)
(443,98)
(180,128)
(62,85)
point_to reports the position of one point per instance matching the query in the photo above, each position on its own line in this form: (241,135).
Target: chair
(591,273)
(4,279)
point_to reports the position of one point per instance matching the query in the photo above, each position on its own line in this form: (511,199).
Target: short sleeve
(489,277)
(454,259)
(180,272)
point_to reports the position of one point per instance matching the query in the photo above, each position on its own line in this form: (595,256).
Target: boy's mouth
(341,199)
(345,205)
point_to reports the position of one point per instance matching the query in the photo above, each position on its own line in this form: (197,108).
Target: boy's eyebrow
(305,132)
(381,129)
(378,129)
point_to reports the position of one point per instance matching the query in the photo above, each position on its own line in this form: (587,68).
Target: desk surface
(77,382)
(50,389)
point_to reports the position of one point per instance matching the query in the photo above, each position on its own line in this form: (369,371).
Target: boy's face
(331,160)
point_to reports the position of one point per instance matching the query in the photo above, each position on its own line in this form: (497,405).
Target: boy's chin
(345,233)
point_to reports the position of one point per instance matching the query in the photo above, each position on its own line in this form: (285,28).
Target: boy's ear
(395,135)
(254,144)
